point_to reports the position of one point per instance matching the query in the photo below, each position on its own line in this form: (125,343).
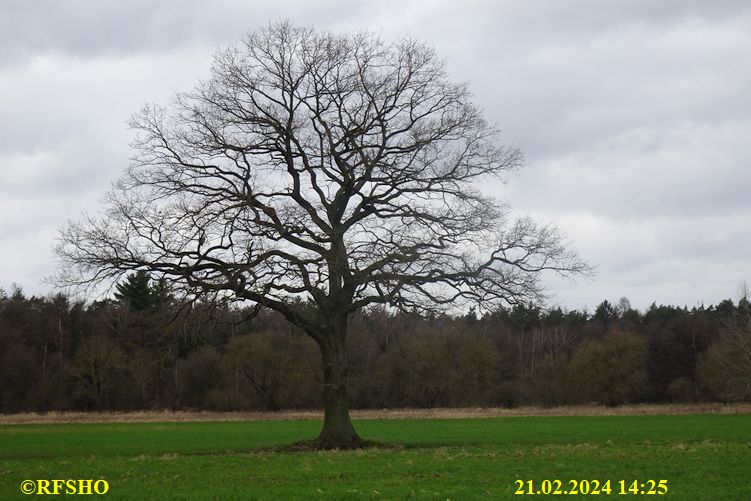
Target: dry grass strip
(442,413)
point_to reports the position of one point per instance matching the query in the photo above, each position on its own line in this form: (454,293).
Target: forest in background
(143,349)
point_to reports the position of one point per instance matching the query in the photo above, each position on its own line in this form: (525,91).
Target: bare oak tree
(315,174)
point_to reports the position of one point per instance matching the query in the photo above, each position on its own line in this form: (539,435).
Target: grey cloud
(558,97)
(634,116)
(682,261)
(104,27)
(86,27)
(691,170)
(27,230)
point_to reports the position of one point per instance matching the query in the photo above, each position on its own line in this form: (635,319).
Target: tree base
(317,445)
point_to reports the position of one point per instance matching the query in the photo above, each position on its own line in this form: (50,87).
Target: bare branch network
(320,167)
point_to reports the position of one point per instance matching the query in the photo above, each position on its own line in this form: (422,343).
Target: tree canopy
(316,174)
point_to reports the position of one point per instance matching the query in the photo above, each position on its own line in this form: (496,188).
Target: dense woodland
(143,349)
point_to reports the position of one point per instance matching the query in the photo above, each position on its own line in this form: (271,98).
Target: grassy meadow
(701,457)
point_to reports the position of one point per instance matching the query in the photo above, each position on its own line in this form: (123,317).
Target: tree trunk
(337,432)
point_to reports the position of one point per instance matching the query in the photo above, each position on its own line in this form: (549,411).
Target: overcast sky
(634,115)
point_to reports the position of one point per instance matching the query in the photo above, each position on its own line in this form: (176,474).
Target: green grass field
(701,457)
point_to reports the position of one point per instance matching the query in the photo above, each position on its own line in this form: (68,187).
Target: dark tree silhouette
(135,291)
(316,174)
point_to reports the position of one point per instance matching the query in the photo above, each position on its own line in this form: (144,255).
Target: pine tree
(136,291)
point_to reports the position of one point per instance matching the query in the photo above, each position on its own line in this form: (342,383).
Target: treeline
(144,350)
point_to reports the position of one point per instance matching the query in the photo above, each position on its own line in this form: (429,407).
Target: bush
(682,390)
(611,371)
(197,375)
(508,394)
(725,368)
(438,369)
